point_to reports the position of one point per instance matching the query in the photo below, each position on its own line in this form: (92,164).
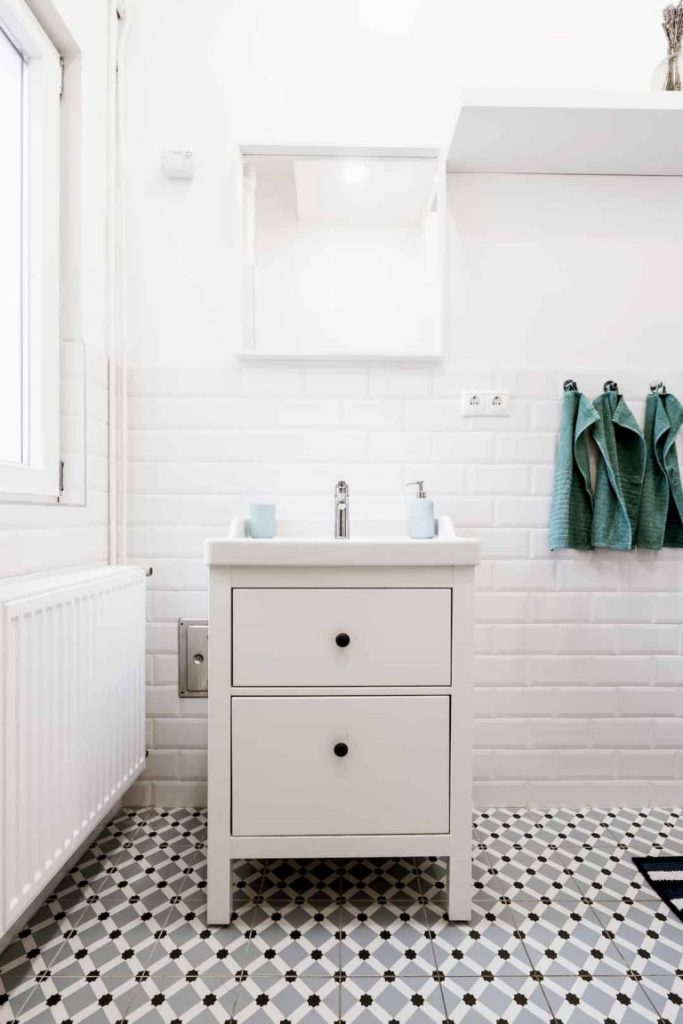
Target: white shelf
(568,131)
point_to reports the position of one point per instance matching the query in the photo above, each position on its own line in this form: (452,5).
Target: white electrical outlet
(498,403)
(485,403)
(473,403)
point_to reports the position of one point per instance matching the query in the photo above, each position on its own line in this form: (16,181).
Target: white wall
(213,75)
(578,666)
(35,538)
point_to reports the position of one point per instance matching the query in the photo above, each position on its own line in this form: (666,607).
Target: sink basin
(312,542)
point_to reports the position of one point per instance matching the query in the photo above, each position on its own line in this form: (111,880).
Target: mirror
(343,254)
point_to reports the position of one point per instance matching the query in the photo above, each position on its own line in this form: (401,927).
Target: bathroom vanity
(340,699)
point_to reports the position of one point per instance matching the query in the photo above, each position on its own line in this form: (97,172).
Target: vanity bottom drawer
(340,765)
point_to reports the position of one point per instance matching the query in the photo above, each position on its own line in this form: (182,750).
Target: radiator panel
(72,718)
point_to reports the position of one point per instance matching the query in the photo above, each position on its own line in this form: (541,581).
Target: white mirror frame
(249,350)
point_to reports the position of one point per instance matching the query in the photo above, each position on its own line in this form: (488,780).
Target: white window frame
(38,475)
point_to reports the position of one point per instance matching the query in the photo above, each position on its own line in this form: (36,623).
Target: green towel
(571,509)
(619,474)
(660,523)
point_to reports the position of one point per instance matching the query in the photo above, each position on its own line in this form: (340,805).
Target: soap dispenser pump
(421,518)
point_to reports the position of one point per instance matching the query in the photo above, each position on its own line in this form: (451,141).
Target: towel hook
(570,385)
(610,385)
(657,387)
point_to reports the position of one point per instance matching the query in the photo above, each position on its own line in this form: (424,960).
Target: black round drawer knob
(342,639)
(341,749)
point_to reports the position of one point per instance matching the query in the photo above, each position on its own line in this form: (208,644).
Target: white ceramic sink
(312,542)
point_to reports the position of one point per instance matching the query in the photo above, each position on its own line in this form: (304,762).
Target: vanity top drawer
(340,765)
(341,637)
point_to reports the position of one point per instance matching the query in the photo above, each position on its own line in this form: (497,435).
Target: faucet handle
(341,488)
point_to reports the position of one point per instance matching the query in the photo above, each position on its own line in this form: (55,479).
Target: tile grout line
(613,945)
(118,856)
(161,928)
(251,906)
(431,942)
(510,907)
(507,907)
(591,905)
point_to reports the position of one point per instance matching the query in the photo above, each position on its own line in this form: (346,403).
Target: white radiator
(72,717)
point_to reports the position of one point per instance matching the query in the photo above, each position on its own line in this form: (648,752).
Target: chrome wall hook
(610,385)
(570,385)
(657,387)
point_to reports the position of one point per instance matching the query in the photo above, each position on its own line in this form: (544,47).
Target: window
(29,255)
(11,248)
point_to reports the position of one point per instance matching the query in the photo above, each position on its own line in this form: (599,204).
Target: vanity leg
(459,889)
(218,847)
(460,841)
(219,893)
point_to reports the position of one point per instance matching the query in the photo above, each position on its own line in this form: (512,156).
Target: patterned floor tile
(247,878)
(187,943)
(586,825)
(666,995)
(433,878)
(145,844)
(309,1000)
(564,939)
(93,872)
(312,880)
(12,998)
(369,879)
(648,936)
(621,820)
(78,1001)
(369,1000)
(489,943)
(195,878)
(593,868)
(36,948)
(538,869)
(303,938)
(110,941)
(580,826)
(485,1000)
(613,878)
(203,1000)
(145,866)
(387,936)
(598,1000)
(562,920)
(515,823)
(126,818)
(495,822)
(180,829)
(649,832)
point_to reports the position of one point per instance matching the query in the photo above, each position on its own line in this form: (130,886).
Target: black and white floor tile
(564,929)
(376,938)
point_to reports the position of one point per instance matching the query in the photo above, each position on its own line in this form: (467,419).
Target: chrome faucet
(341,510)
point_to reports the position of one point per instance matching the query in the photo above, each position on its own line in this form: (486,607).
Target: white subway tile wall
(579,674)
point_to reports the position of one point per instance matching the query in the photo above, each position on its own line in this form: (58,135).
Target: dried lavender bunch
(673,28)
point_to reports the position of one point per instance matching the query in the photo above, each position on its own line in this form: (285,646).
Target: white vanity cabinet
(340,703)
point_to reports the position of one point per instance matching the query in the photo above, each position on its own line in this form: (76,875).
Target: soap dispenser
(421,518)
